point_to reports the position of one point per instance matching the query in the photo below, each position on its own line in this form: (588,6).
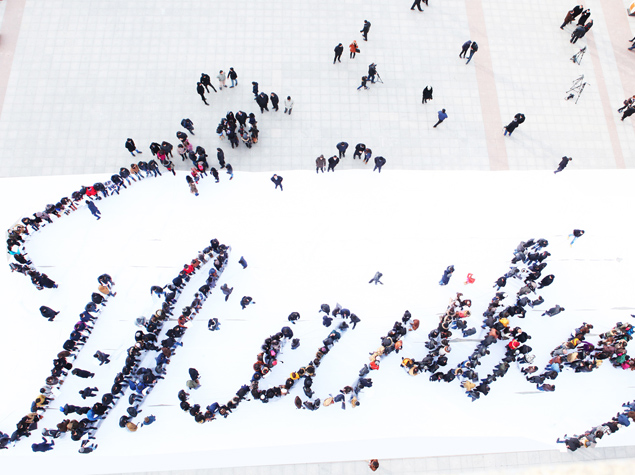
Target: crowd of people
(141,380)
(62,367)
(239,127)
(266,362)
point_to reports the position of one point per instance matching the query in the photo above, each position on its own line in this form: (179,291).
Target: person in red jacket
(354,49)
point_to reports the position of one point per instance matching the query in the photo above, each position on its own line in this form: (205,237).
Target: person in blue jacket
(442,116)
(342,146)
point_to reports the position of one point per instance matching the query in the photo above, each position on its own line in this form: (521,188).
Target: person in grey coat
(376,279)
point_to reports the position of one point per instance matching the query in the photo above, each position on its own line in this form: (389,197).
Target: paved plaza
(78,77)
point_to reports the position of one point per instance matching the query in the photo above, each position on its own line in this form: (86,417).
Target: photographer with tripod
(372,72)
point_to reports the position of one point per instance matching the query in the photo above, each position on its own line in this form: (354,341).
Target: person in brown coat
(373,464)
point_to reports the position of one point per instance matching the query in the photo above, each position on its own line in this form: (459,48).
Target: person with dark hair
(246,300)
(94,210)
(288,105)
(262,100)
(277,180)
(82,373)
(341,147)
(365,29)
(359,150)
(427,95)
(201,92)
(220,155)
(473,49)
(320,162)
(333,161)
(416,3)
(339,49)
(275,101)
(576,234)
(48,313)
(233,76)
(554,311)
(379,162)
(43,446)
(442,116)
(584,17)
(563,163)
(464,48)
(293,317)
(546,281)
(207,82)
(447,274)
(88,392)
(376,278)
(131,147)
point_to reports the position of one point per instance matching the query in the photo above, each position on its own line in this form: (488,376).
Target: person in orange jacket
(354,49)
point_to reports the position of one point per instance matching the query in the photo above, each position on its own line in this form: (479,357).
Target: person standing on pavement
(131,147)
(563,164)
(442,116)
(288,105)
(364,31)
(473,49)
(339,49)
(464,49)
(277,180)
(417,3)
(207,82)
(234,77)
(201,92)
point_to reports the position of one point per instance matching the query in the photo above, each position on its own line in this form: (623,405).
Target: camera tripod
(576,89)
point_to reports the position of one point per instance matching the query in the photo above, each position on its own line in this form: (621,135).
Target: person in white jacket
(221,79)
(288,105)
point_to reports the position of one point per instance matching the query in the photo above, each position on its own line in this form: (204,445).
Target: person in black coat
(546,281)
(509,128)
(364,31)
(254,89)
(277,180)
(274,101)
(201,92)
(333,161)
(359,149)
(131,147)
(563,163)
(341,147)
(379,162)
(584,17)
(427,95)
(339,49)
(206,81)
(82,373)
(48,313)
(194,375)
(262,100)
(293,317)
(246,300)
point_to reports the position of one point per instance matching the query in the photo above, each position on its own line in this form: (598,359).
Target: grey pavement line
(606,103)
(490,108)
(481,463)
(9,33)
(616,18)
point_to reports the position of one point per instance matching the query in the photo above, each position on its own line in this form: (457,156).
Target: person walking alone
(364,31)
(576,234)
(339,49)
(131,147)
(277,180)
(94,210)
(417,3)
(442,116)
(563,164)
